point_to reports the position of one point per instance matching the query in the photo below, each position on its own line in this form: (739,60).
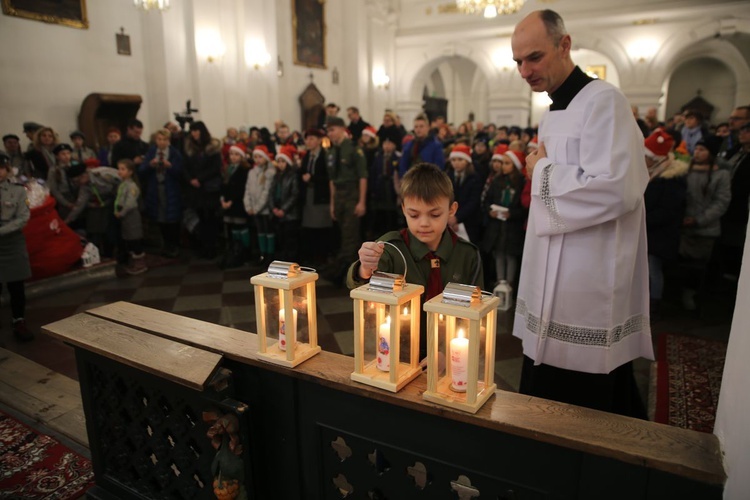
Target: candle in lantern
(282,328)
(384,346)
(459,352)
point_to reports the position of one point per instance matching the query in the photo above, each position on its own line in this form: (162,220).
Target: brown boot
(137,264)
(20,331)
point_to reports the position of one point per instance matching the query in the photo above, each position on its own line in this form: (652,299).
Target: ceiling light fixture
(490,8)
(148,5)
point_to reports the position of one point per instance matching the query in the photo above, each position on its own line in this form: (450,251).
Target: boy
(434,254)
(430,248)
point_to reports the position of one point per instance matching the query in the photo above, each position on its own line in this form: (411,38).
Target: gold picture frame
(599,70)
(309,29)
(65,12)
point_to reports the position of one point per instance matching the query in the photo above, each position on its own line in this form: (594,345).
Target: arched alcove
(710,78)
(458,79)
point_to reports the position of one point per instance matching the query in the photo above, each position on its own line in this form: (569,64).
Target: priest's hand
(534,157)
(369,256)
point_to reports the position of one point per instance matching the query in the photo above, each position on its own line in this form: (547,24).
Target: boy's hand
(369,256)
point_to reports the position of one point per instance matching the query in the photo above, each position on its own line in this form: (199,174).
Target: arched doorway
(460,81)
(705,76)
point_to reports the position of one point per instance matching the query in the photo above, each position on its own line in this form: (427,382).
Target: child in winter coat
(234,179)
(256,200)
(504,234)
(283,203)
(126,211)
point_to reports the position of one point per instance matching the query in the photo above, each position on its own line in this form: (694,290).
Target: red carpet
(688,381)
(35,466)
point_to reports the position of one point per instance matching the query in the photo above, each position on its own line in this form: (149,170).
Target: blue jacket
(431,152)
(172,180)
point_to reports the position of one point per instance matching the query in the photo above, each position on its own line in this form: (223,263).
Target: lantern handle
(308,269)
(399,252)
(486,294)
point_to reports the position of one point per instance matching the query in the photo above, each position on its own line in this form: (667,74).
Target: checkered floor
(200,290)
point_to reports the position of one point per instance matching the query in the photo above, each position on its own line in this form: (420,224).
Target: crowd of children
(270,192)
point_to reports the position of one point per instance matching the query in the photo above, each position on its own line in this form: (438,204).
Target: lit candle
(384,346)
(459,351)
(282,328)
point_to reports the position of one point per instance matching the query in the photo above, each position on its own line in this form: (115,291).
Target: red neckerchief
(435,279)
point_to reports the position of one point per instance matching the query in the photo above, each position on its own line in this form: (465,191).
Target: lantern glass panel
(300,304)
(378,327)
(275,319)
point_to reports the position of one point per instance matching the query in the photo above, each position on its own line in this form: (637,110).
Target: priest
(582,310)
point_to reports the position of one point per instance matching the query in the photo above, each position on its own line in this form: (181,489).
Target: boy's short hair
(164,133)
(422,117)
(426,182)
(135,123)
(129,164)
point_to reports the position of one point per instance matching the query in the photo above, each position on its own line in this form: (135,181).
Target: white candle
(282,328)
(384,346)
(459,351)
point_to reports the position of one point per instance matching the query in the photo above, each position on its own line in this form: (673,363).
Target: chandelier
(489,8)
(148,5)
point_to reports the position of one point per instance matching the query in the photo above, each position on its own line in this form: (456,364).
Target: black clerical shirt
(569,89)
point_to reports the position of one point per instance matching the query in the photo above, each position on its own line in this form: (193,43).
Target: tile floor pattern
(200,290)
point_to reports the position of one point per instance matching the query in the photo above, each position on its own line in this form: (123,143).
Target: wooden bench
(188,352)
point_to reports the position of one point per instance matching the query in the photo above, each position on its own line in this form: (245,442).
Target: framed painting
(598,71)
(66,12)
(309,28)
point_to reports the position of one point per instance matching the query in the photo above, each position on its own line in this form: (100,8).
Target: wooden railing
(313,433)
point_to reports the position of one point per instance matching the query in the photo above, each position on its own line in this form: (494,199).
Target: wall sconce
(642,50)
(335,75)
(503,59)
(279,67)
(209,45)
(256,55)
(380,79)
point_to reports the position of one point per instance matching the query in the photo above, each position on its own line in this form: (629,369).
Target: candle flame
(461,334)
(387,320)
(441,317)
(406,311)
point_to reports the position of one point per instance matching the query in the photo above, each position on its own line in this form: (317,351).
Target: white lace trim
(581,335)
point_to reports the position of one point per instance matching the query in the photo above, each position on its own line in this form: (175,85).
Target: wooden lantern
(285,312)
(386,310)
(467,320)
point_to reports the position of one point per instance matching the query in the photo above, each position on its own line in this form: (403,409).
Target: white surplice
(583,295)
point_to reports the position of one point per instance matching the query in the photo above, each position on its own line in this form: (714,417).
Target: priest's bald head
(541,49)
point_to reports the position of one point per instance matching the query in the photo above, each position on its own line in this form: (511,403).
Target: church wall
(47,70)
(712,79)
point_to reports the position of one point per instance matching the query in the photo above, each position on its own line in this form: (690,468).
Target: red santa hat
(370,130)
(659,143)
(262,150)
(499,151)
(461,151)
(287,153)
(518,158)
(239,148)
(533,143)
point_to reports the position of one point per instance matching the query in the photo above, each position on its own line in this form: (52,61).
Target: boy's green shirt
(459,262)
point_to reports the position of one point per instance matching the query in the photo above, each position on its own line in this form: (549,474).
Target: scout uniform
(346,166)
(455,260)
(14,259)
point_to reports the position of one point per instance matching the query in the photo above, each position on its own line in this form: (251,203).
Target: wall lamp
(380,79)
(256,55)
